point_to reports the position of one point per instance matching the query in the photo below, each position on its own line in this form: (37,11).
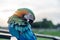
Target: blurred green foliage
(43,24)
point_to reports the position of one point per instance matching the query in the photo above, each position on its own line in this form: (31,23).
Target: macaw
(19,26)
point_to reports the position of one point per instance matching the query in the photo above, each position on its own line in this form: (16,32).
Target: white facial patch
(29,16)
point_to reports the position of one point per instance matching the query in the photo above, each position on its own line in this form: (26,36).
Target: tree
(47,24)
(44,24)
(36,25)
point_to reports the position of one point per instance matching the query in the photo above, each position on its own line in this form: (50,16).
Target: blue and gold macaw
(19,24)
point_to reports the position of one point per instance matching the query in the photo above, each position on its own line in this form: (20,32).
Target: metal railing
(5,34)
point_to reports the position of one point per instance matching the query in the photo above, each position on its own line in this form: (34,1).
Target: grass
(47,32)
(3,39)
(57,33)
(43,39)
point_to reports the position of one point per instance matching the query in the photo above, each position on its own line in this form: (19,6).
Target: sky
(49,9)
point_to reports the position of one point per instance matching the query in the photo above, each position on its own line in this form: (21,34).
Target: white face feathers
(29,16)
